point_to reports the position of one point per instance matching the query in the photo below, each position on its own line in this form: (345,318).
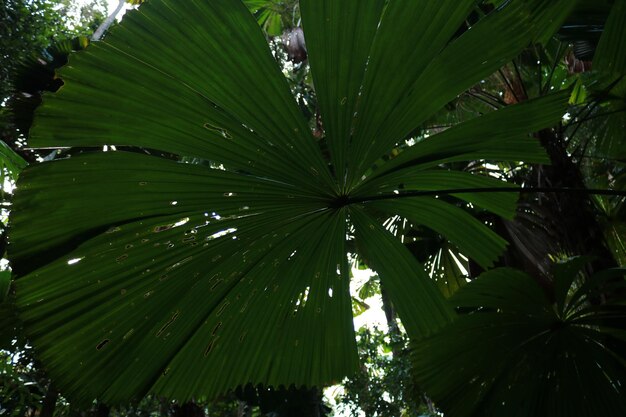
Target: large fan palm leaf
(141,274)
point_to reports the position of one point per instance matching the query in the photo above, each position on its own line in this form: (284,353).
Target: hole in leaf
(168,324)
(222,308)
(75,260)
(177,264)
(209,348)
(221,131)
(215,284)
(102,344)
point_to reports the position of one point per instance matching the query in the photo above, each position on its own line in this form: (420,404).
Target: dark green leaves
(419,303)
(173,292)
(452,222)
(223,262)
(515,354)
(10,161)
(135,187)
(339,39)
(499,135)
(610,55)
(198,84)
(386,119)
(5,284)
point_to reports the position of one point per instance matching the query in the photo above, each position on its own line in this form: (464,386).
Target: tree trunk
(97,35)
(101,410)
(189,409)
(392,326)
(164,407)
(49,402)
(243,409)
(396,349)
(575,212)
(553,223)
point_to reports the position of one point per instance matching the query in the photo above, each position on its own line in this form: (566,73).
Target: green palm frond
(610,55)
(518,354)
(11,161)
(270,14)
(138,274)
(449,269)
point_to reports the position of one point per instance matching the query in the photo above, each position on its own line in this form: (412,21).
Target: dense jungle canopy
(189,195)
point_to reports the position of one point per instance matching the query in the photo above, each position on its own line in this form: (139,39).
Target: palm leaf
(445,268)
(549,16)
(347,26)
(34,75)
(269,14)
(517,354)
(610,55)
(11,161)
(452,222)
(138,274)
(502,133)
(393,106)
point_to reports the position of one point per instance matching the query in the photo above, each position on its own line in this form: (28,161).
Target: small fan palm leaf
(518,354)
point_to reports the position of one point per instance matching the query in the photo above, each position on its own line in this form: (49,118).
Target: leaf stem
(406,194)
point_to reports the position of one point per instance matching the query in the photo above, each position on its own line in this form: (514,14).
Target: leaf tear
(102,344)
(168,324)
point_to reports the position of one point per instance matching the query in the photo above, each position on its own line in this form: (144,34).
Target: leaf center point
(340,201)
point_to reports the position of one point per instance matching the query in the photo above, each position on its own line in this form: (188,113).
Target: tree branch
(97,35)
